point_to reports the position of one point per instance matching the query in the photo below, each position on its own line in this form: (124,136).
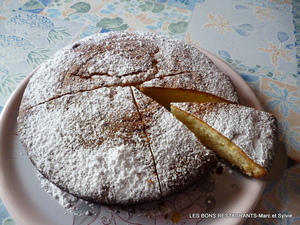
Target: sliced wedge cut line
(148,140)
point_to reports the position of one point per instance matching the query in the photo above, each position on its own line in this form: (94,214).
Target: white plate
(217,196)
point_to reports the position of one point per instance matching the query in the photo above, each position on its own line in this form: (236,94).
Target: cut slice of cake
(180,158)
(205,86)
(167,95)
(244,136)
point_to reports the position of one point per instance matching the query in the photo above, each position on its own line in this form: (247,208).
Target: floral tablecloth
(260,39)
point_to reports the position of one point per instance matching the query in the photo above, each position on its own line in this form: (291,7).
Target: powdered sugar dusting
(73,204)
(210,81)
(88,129)
(252,130)
(119,59)
(180,158)
(92,146)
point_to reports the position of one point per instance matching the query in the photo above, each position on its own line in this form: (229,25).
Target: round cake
(88,127)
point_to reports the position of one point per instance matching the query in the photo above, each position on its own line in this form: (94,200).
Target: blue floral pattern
(289,134)
(281,51)
(238,26)
(157,16)
(296,20)
(287,189)
(224,24)
(186,4)
(8,81)
(21,24)
(284,99)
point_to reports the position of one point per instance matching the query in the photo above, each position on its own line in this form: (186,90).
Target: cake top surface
(122,59)
(83,107)
(92,146)
(254,131)
(210,81)
(101,146)
(177,152)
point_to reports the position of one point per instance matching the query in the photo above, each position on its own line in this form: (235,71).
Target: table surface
(260,39)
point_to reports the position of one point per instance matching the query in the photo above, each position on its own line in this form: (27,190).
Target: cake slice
(204,86)
(244,136)
(180,158)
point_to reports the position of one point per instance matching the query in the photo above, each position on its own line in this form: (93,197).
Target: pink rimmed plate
(223,197)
